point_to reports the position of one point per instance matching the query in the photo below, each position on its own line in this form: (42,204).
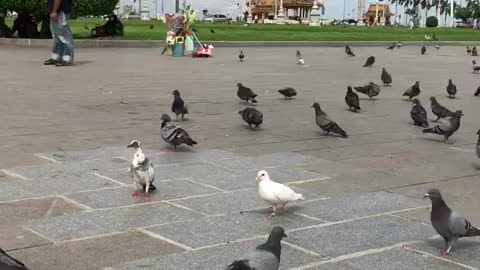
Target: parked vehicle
(216,18)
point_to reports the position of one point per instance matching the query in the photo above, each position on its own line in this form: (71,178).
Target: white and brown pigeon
(450,225)
(141,170)
(275,193)
(265,256)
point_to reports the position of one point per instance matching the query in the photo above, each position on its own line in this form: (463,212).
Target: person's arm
(54,12)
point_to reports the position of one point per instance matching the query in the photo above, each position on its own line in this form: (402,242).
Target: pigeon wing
(458,225)
(285,193)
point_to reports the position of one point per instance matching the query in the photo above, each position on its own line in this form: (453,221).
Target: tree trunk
(45,29)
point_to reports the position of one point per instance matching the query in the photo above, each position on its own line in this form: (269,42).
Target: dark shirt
(65,6)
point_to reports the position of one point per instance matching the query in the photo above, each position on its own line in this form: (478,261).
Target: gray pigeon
(325,123)
(348,51)
(178,105)
(448,127)
(288,92)
(141,170)
(449,224)
(439,110)
(418,114)
(474,51)
(477,148)
(423,50)
(370,61)
(413,90)
(174,134)
(252,116)
(7,262)
(469,51)
(265,256)
(451,89)
(352,100)
(391,47)
(241,56)
(371,90)
(246,94)
(386,77)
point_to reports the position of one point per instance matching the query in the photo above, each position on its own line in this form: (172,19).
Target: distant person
(5,31)
(63,48)
(113,27)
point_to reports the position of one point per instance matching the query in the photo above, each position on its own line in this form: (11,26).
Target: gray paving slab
(350,237)
(184,155)
(109,221)
(256,163)
(243,180)
(53,186)
(216,230)
(101,152)
(236,202)
(115,197)
(465,251)
(349,206)
(90,253)
(218,258)
(395,259)
(13,236)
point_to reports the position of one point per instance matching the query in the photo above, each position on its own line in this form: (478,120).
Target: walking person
(63,49)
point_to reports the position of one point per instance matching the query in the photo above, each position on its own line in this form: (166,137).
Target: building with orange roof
(290,9)
(378,14)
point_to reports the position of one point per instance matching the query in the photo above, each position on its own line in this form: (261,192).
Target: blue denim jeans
(63,48)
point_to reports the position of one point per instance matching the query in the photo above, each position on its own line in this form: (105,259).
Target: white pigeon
(275,193)
(141,170)
(300,61)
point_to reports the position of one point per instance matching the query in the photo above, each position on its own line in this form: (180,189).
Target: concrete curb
(93,43)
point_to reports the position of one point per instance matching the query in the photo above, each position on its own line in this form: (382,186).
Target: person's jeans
(62,38)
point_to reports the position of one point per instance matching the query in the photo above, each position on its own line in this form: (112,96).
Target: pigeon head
(241,112)
(262,175)
(165,118)
(474,62)
(277,234)
(417,84)
(433,99)
(435,196)
(416,101)
(349,89)
(478,132)
(135,144)
(239,84)
(449,81)
(316,106)
(458,113)
(176,93)
(384,70)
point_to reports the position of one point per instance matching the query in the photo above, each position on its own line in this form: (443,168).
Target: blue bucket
(178,49)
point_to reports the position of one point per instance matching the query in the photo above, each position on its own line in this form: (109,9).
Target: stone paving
(65,191)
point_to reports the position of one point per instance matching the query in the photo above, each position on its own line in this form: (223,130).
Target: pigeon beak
(426,196)
(284,235)
(129,146)
(257,178)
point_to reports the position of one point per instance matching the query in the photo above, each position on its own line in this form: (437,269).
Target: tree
(38,8)
(463,13)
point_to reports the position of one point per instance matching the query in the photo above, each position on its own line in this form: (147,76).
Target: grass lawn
(140,30)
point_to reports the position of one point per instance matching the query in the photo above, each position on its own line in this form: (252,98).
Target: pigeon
(371,90)
(299,55)
(7,262)
(325,123)
(275,193)
(451,89)
(391,47)
(288,92)
(399,44)
(469,51)
(174,134)
(300,60)
(386,77)
(427,37)
(178,105)
(352,100)
(86,27)
(241,56)
(423,50)
(252,116)
(477,147)
(246,94)
(141,171)
(437,47)
(370,61)
(448,127)
(439,110)
(474,51)
(418,114)
(212,31)
(413,90)
(152,26)
(348,51)
(475,67)
(477,92)
(449,224)
(265,256)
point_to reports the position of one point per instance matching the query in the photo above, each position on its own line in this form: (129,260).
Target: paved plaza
(65,191)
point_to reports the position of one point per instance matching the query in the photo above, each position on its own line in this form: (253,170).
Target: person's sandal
(63,63)
(50,62)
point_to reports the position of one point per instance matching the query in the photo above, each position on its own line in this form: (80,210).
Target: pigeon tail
(473,232)
(191,142)
(300,197)
(254,100)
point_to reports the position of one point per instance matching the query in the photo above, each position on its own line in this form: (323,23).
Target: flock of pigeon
(449,224)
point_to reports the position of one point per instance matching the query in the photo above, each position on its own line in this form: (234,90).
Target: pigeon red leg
(135,194)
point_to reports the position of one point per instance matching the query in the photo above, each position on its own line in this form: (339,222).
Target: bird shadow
(84,62)
(460,245)
(348,110)
(252,128)
(289,210)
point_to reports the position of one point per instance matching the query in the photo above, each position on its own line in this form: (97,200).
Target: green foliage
(432,21)
(39,7)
